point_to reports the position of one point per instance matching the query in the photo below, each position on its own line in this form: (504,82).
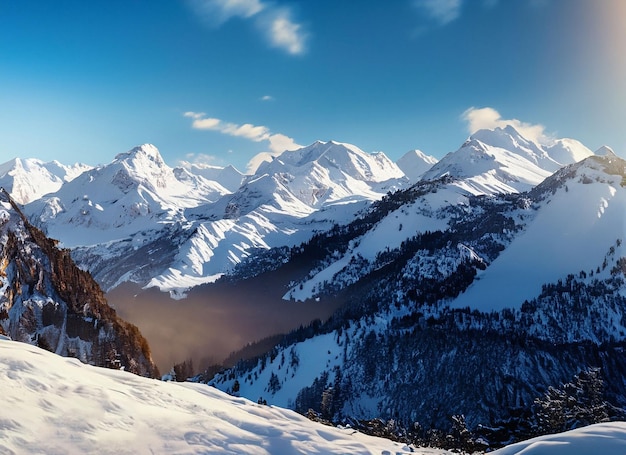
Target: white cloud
(279,143)
(194,115)
(267,98)
(276,24)
(257,160)
(197,158)
(443,11)
(283,33)
(276,143)
(207,123)
(216,12)
(489,118)
(247,130)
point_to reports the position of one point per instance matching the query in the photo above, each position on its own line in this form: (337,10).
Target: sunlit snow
(52,404)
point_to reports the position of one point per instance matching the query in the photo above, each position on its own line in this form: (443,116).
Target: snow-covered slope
(503,161)
(415,163)
(604,438)
(572,228)
(57,405)
(29,179)
(137,206)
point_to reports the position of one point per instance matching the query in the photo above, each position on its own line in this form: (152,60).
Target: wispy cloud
(442,11)
(198,158)
(275,23)
(489,118)
(216,12)
(267,98)
(283,32)
(277,143)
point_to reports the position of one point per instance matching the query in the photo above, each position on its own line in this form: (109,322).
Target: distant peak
(605,150)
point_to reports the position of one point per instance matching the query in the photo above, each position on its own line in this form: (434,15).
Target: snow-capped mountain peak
(350,160)
(144,163)
(503,161)
(415,163)
(508,138)
(136,192)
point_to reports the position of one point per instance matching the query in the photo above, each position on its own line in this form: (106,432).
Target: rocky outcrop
(46,299)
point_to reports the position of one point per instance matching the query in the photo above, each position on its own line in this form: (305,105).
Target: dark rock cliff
(46,299)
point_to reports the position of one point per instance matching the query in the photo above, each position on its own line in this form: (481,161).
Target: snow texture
(58,405)
(602,438)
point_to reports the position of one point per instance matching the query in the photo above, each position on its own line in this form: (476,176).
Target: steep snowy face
(29,179)
(415,163)
(46,300)
(508,138)
(136,192)
(503,161)
(577,219)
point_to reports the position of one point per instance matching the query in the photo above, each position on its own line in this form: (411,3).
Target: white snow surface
(58,405)
(601,438)
(572,231)
(139,197)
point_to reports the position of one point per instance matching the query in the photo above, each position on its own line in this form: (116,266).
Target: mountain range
(499,268)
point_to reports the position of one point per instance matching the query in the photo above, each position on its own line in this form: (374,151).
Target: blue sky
(220,81)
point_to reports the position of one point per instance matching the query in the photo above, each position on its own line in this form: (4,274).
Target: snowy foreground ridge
(56,405)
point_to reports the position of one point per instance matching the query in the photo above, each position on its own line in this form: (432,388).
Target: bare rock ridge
(47,300)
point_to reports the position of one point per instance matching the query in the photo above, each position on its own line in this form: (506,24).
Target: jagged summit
(135,192)
(144,151)
(503,161)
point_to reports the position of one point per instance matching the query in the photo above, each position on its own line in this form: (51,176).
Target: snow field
(56,405)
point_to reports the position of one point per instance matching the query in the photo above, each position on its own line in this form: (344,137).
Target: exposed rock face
(46,299)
